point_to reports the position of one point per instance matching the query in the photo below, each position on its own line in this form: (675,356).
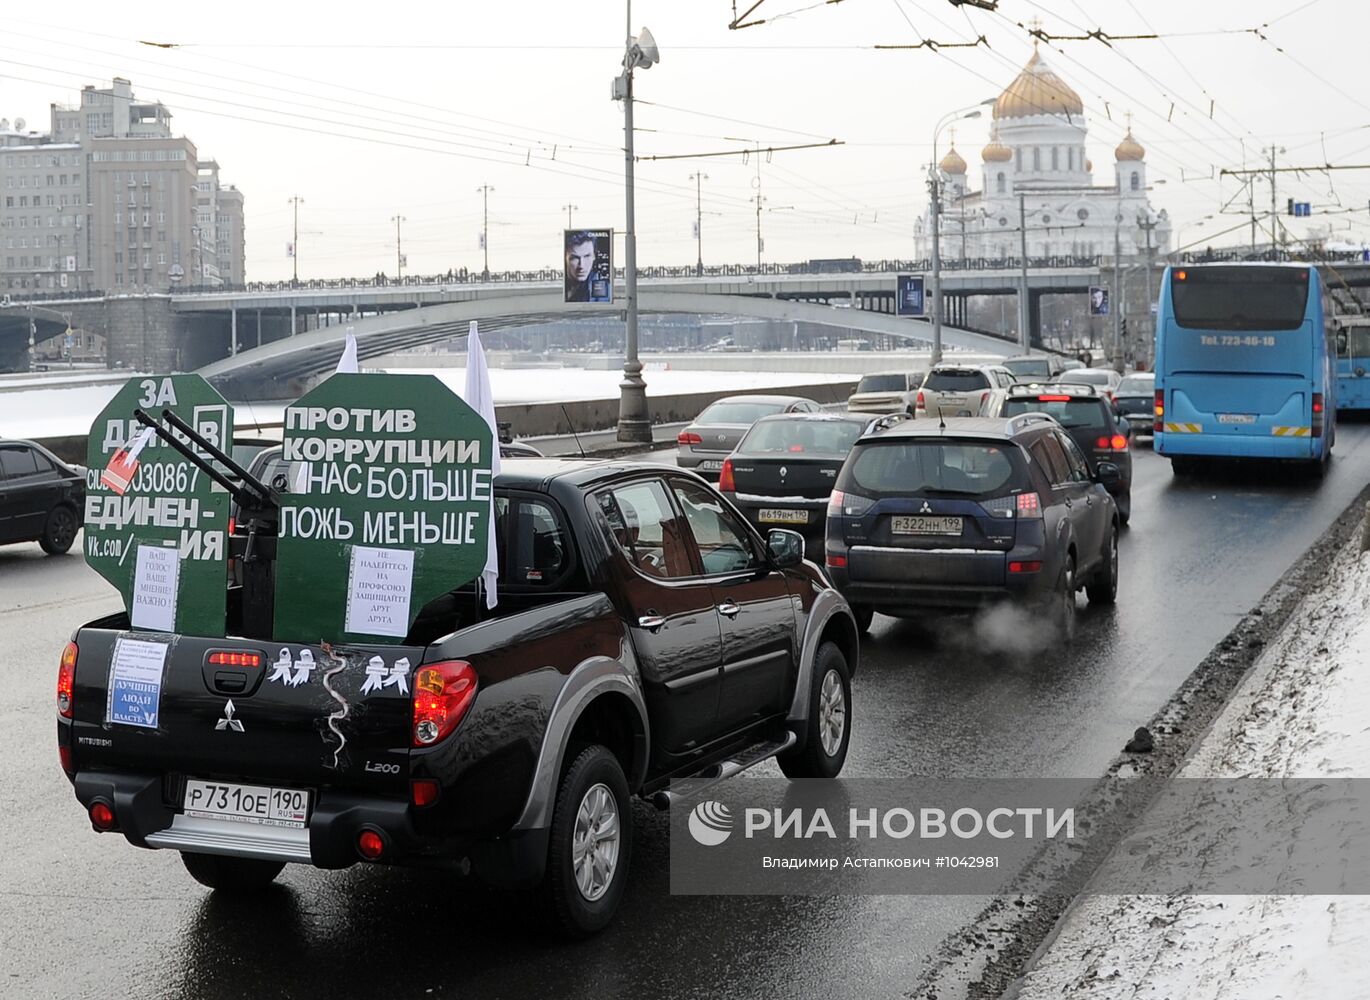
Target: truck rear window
(1239,298)
(956,381)
(934,465)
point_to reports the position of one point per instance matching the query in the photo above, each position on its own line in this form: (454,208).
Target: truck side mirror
(785,547)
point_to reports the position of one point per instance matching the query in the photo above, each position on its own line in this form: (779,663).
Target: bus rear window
(1239,298)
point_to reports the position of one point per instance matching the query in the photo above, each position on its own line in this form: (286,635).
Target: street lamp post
(569,209)
(484,192)
(634,424)
(699,177)
(399,249)
(935,190)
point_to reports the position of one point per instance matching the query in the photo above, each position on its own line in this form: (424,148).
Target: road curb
(988,958)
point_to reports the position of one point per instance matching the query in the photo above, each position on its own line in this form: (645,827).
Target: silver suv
(886,392)
(953,390)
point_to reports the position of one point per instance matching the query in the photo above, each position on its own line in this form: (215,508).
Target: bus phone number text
(1232,340)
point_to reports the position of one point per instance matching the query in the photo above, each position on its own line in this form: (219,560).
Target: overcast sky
(409,110)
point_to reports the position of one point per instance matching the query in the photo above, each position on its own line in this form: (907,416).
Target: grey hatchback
(713,435)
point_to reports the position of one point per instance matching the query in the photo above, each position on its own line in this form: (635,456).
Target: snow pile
(1303,712)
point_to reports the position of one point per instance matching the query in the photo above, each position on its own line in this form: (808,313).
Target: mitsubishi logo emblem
(783,472)
(228,721)
(925,509)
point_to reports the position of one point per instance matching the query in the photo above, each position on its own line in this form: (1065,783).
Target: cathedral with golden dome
(1037,151)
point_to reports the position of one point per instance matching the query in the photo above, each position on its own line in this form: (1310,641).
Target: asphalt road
(83,915)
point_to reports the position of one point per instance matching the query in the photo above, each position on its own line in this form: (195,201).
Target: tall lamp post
(634,424)
(935,190)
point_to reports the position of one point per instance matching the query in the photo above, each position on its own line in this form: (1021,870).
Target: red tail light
(1101,444)
(1035,566)
(102,816)
(66,679)
(725,477)
(232,525)
(1156,424)
(1119,442)
(835,561)
(1029,505)
(1053,399)
(442,694)
(835,501)
(423,791)
(983,396)
(688,437)
(796,448)
(1318,414)
(920,403)
(370,845)
(234,658)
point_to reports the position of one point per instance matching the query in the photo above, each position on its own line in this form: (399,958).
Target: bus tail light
(1158,423)
(1318,414)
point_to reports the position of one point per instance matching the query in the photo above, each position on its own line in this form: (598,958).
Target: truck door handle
(728,608)
(651,622)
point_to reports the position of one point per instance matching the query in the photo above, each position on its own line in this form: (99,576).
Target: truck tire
(59,531)
(827,731)
(235,876)
(590,845)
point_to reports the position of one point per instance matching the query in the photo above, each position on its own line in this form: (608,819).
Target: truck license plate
(246,803)
(779,515)
(917,525)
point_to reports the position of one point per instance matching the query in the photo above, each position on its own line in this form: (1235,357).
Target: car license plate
(711,465)
(1236,418)
(779,515)
(920,525)
(246,803)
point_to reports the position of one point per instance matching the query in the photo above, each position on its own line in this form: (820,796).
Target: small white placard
(379,587)
(154,588)
(135,682)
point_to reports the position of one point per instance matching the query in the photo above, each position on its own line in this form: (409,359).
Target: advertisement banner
(1098,301)
(909,298)
(589,256)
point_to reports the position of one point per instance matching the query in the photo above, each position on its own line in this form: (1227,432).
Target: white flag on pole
(347,364)
(480,398)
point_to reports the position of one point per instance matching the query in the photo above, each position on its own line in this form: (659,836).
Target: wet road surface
(88,916)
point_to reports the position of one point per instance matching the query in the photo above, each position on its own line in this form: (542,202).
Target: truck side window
(539,552)
(724,545)
(647,530)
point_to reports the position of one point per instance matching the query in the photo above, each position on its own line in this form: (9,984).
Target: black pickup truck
(644,633)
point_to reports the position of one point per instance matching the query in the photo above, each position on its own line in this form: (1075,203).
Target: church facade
(1037,151)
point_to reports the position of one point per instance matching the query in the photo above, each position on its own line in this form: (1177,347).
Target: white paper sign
(135,682)
(379,587)
(154,588)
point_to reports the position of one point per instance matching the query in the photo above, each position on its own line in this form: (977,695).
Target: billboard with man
(589,256)
(1098,301)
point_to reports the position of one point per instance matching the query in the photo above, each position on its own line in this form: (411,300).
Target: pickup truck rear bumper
(145,818)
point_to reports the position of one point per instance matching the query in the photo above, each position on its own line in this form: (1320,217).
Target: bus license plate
(246,803)
(926,525)
(779,515)
(1236,418)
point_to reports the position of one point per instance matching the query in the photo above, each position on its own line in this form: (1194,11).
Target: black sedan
(783,470)
(42,498)
(1135,401)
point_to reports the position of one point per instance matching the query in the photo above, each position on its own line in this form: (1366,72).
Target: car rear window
(1084,378)
(933,465)
(956,381)
(1068,412)
(824,437)
(1137,385)
(881,383)
(726,412)
(1030,368)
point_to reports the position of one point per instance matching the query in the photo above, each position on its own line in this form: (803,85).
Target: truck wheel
(1103,589)
(59,532)
(823,747)
(591,840)
(236,876)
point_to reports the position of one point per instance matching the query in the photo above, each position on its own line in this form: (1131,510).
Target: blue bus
(1353,362)
(1244,367)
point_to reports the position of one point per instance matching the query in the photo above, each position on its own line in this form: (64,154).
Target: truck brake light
(66,680)
(442,694)
(235,658)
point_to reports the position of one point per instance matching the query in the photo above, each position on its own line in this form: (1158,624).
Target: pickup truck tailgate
(244,711)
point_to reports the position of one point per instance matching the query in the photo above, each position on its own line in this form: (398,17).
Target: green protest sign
(388,505)
(156,525)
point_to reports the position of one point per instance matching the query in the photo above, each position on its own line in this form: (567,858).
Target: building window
(1082,214)
(1055,163)
(1070,157)
(161,258)
(1136,181)
(1036,158)
(1018,159)
(999,183)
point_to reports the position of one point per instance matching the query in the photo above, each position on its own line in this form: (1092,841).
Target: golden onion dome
(996,151)
(1129,148)
(952,163)
(1037,91)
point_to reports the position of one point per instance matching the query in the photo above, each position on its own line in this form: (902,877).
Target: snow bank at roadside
(1303,712)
